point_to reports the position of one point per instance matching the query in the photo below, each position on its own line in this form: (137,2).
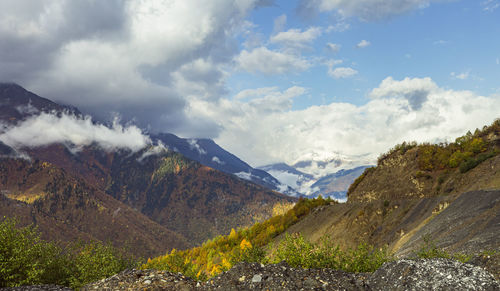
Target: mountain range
(333,185)
(82,179)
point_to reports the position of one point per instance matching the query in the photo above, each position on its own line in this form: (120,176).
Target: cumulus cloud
(138,58)
(415,91)
(342,72)
(362,44)
(333,47)
(296,38)
(368,10)
(398,110)
(271,62)
(74,132)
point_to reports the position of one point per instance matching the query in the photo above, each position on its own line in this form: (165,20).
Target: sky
(270,81)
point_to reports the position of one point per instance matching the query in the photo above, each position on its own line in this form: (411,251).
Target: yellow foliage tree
(245,245)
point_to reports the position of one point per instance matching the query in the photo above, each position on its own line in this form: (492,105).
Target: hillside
(177,196)
(66,209)
(448,193)
(411,171)
(182,195)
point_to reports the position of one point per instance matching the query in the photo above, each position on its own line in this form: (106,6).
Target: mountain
(332,185)
(66,208)
(183,202)
(208,153)
(17,104)
(446,193)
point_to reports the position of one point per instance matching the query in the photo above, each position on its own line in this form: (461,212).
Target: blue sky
(453,42)
(270,81)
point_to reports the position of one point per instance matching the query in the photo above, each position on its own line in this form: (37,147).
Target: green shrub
(95,260)
(429,250)
(25,259)
(298,252)
(472,162)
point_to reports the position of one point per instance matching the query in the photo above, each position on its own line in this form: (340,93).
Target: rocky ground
(430,274)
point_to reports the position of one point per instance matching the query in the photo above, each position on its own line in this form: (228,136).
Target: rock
(37,288)
(256,278)
(435,274)
(423,274)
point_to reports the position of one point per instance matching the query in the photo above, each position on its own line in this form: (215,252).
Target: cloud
(74,132)
(216,159)
(398,110)
(333,47)
(367,10)
(363,44)
(193,145)
(296,38)
(143,59)
(460,76)
(279,23)
(441,42)
(338,27)
(270,62)
(490,5)
(415,91)
(342,72)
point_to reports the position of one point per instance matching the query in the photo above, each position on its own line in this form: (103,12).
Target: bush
(471,162)
(25,259)
(298,252)
(94,261)
(429,250)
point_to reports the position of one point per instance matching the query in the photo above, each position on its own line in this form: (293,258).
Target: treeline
(25,259)
(222,252)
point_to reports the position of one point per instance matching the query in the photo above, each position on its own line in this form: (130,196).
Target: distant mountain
(332,185)
(335,185)
(210,154)
(292,177)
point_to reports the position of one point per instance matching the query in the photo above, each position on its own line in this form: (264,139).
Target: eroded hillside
(448,193)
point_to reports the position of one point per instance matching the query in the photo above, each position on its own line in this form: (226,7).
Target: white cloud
(338,27)
(399,110)
(45,129)
(460,76)
(271,62)
(342,72)
(193,145)
(498,61)
(415,91)
(333,47)
(296,38)
(216,159)
(279,23)
(363,44)
(490,5)
(368,10)
(144,59)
